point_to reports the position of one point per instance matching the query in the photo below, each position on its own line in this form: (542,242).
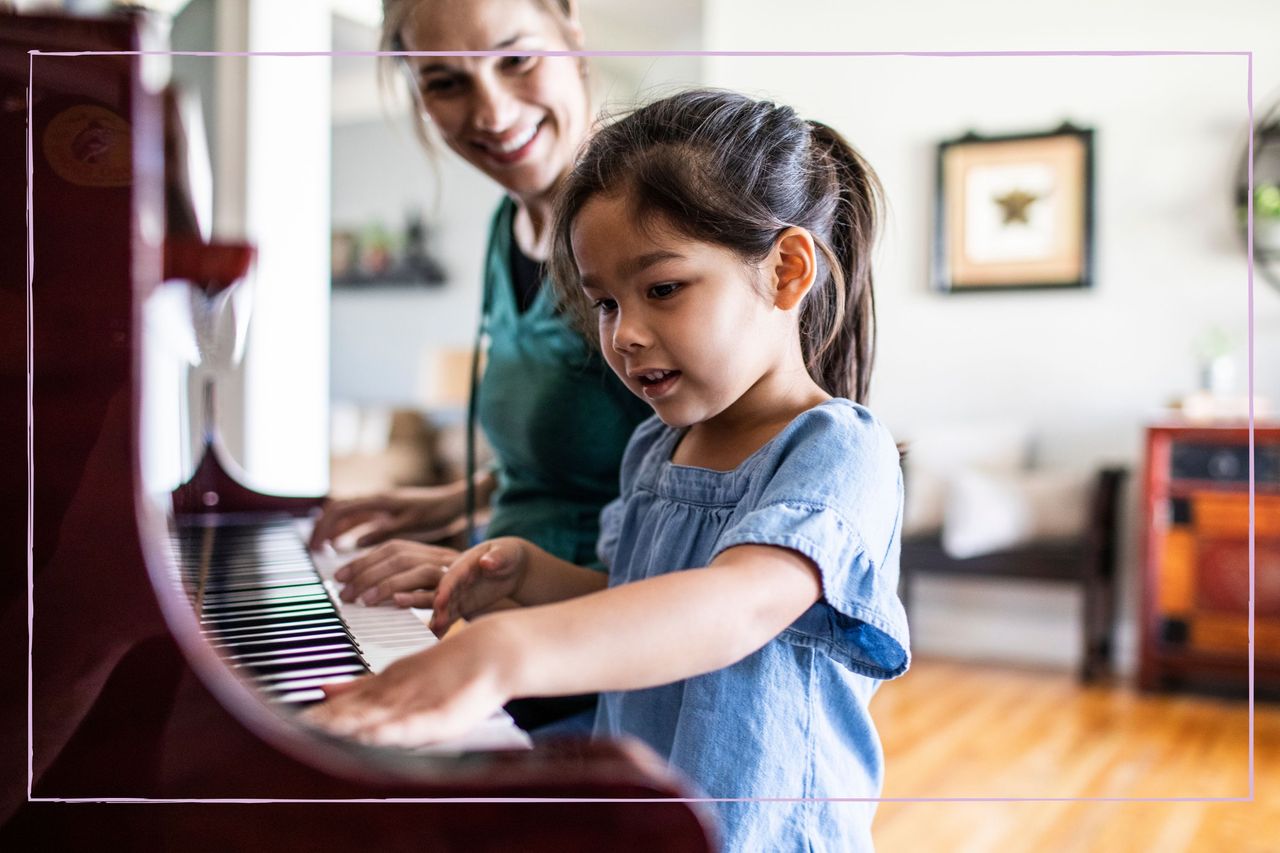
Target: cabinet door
(1204,594)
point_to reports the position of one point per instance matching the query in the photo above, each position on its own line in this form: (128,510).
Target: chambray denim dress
(791,720)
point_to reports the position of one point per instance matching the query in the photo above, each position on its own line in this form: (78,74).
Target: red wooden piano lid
(212,267)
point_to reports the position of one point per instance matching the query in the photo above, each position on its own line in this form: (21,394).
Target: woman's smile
(512,147)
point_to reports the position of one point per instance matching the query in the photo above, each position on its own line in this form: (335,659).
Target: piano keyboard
(261,601)
(273,610)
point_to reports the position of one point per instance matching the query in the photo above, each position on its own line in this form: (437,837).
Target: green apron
(555,415)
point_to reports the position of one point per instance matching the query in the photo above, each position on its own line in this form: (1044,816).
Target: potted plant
(1266,216)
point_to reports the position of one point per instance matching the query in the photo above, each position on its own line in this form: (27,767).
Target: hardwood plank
(960,730)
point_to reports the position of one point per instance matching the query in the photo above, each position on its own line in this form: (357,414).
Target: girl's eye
(605,306)
(664,290)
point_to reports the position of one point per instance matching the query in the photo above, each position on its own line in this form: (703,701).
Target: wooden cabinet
(1195,580)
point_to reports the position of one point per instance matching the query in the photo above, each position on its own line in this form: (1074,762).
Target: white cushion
(934,454)
(994,511)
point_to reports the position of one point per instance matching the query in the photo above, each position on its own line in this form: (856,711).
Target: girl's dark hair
(736,172)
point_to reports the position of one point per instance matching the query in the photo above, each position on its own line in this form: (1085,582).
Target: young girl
(721,246)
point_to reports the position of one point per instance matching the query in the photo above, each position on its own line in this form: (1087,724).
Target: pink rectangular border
(656,53)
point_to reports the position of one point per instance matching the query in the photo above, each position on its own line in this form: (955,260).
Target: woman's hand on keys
(406,572)
(395,513)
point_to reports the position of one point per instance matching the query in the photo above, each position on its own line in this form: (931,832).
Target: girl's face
(517,118)
(685,324)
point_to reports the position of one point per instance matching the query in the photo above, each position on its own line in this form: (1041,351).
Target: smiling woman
(517,118)
(554,414)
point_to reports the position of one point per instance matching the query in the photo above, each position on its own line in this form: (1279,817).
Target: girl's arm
(633,636)
(658,630)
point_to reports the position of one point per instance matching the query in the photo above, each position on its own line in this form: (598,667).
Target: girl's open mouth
(656,383)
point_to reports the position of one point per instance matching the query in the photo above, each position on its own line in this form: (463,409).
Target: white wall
(1086,369)
(381,173)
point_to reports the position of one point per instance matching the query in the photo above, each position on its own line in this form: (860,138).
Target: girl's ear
(794,264)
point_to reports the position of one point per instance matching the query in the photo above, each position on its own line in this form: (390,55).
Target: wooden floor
(959,730)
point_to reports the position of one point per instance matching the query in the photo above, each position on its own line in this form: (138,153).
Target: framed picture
(1015,212)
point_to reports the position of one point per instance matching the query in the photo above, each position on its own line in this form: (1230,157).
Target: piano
(160,641)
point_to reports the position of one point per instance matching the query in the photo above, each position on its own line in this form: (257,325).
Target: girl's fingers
(425,697)
(441,618)
(350,710)
(443,614)
(335,688)
(417,729)
(453,596)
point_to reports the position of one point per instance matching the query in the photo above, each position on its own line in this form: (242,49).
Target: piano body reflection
(170,640)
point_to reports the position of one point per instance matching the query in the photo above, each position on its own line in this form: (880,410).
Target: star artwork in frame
(1014,212)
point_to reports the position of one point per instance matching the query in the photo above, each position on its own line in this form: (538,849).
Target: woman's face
(517,118)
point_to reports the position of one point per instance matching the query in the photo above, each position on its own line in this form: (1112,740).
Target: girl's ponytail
(838,331)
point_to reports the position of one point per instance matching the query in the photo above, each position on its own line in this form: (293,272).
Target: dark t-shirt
(526,277)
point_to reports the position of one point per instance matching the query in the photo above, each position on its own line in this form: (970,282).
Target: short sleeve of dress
(832,491)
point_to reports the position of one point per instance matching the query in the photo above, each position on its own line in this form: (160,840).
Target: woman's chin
(529,179)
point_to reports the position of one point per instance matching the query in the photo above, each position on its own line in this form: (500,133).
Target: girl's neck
(724,441)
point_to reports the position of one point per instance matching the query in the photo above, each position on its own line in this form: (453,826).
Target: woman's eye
(440,86)
(664,290)
(517,63)
(605,306)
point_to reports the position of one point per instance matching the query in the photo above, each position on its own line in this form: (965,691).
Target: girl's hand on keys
(481,577)
(433,695)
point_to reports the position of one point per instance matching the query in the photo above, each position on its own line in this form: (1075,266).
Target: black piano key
(215,610)
(297,592)
(304,610)
(279,680)
(267,655)
(242,642)
(268,629)
(293,662)
(278,643)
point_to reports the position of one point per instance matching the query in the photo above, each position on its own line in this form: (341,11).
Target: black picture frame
(1014,212)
